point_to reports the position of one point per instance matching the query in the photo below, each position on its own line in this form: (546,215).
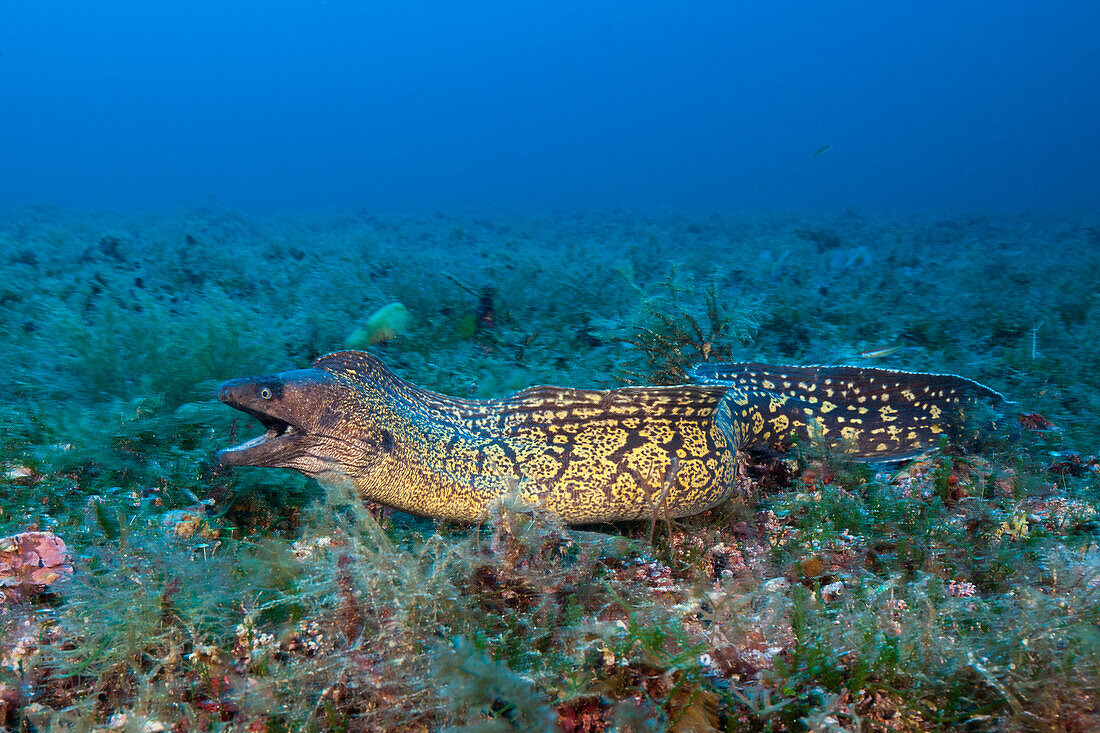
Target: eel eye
(265,393)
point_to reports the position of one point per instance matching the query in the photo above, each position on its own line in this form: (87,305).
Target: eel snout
(263,400)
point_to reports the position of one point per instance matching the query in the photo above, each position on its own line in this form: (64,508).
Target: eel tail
(873,414)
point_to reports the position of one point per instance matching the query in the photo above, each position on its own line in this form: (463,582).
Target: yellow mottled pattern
(631,453)
(872,413)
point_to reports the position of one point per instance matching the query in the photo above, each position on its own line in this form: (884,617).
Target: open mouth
(263,450)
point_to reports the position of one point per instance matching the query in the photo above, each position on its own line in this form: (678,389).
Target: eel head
(300,412)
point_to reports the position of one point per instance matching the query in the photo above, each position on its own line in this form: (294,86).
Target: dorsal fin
(797,380)
(356,362)
(370,374)
(543,405)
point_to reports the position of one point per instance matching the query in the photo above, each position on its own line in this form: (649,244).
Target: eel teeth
(276,429)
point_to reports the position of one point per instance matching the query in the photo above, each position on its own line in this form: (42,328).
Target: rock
(185,524)
(812,567)
(20,474)
(832,591)
(11,699)
(775,584)
(32,562)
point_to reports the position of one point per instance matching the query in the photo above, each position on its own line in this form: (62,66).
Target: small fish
(822,150)
(879,353)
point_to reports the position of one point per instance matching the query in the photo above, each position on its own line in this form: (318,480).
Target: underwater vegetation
(385,324)
(147,589)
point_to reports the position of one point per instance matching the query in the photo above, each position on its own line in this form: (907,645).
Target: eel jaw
(281,442)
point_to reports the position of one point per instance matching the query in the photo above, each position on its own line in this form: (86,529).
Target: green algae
(277,606)
(385,324)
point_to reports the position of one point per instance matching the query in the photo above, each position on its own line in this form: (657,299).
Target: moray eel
(588,455)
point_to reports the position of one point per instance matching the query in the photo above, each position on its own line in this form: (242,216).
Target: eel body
(588,455)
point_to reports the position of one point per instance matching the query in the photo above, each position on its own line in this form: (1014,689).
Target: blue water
(532,104)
